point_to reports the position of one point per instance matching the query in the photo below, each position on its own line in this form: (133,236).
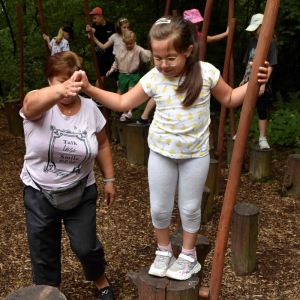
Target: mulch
(127,234)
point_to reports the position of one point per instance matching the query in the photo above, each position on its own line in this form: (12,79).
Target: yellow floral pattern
(176,131)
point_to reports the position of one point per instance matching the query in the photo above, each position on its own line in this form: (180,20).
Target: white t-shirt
(60,149)
(117,41)
(176,131)
(63,46)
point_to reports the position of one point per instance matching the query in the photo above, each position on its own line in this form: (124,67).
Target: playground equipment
(291,181)
(230,145)
(37,292)
(260,164)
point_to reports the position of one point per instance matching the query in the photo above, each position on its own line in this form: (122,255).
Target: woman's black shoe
(107,293)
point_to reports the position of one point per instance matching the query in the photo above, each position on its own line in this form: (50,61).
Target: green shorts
(128,80)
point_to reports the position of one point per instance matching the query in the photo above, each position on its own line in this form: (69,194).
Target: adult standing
(60,42)
(102,30)
(64,135)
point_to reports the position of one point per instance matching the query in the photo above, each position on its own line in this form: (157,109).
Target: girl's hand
(45,37)
(109,193)
(262,90)
(227,30)
(69,88)
(263,73)
(108,73)
(80,77)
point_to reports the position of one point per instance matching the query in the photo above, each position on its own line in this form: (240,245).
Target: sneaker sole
(175,275)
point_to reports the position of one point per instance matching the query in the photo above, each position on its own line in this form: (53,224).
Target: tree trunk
(202,245)
(155,288)
(291,180)
(260,164)
(15,122)
(230,145)
(37,292)
(137,145)
(114,129)
(210,183)
(244,238)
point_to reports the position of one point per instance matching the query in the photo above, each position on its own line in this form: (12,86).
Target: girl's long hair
(182,34)
(119,24)
(60,36)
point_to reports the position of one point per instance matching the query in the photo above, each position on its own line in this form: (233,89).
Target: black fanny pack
(67,197)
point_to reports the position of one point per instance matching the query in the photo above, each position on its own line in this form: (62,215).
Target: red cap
(96,11)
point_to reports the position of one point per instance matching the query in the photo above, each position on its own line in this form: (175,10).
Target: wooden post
(43,25)
(231,72)
(167,8)
(36,292)
(137,144)
(213,131)
(210,183)
(15,122)
(230,145)
(114,129)
(21,54)
(223,108)
(202,245)
(244,238)
(262,50)
(260,164)
(291,180)
(205,27)
(174,12)
(156,288)
(87,14)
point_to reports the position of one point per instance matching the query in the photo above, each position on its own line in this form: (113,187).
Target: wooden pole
(87,13)
(43,25)
(231,73)
(223,108)
(21,54)
(262,50)
(167,9)
(205,27)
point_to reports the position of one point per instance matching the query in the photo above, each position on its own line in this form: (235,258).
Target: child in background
(117,41)
(127,61)
(60,42)
(265,89)
(179,134)
(195,17)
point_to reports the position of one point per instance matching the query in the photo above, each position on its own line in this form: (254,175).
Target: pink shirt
(199,35)
(61,149)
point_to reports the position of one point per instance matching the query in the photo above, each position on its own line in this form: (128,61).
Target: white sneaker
(163,260)
(263,144)
(234,137)
(184,267)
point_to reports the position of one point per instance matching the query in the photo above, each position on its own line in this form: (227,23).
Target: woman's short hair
(62,63)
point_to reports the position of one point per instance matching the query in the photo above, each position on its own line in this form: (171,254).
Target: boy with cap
(265,89)
(102,30)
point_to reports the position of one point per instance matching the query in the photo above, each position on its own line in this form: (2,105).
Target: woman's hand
(109,193)
(80,77)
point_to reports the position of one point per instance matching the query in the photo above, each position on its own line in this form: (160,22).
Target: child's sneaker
(163,260)
(263,144)
(128,116)
(141,121)
(184,267)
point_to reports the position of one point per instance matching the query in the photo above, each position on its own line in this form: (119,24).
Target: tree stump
(114,129)
(156,288)
(260,164)
(230,145)
(212,152)
(203,247)
(244,238)
(210,183)
(15,122)
(37,292)
(213,131)
(291,179)
(137,144)
(123,132)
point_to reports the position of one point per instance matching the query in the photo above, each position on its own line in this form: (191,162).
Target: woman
(64,135)
(60,43)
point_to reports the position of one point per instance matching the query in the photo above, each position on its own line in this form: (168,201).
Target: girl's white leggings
(164,173)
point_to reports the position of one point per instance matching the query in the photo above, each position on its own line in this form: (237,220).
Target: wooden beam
(21,54)
(43,26)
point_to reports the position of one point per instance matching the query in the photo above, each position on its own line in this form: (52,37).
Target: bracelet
(109,180)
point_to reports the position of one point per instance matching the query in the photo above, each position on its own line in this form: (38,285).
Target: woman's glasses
(169,61)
